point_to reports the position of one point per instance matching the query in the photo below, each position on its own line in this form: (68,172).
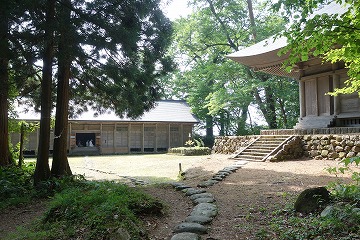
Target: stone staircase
(261,148)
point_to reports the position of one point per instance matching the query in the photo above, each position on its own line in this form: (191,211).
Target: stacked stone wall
(293,149)
(332,147)
(231,144)
(336,147)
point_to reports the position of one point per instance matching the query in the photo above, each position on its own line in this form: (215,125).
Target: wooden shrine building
(168,125)
(317,110)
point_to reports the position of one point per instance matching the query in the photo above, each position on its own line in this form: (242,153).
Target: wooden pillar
(169,135)
(336,84)
(114,138)
(129,137)
(302,99)
(156,137)
(100,142)
(316,96)
(182,135)
(143,137)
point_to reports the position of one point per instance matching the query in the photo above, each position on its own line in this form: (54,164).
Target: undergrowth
(339,220)
(16,185)
(78,209)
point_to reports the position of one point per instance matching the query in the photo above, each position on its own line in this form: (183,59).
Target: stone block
(350,154)
(349,143)
(342,155)
(339,149)
(314,153)
(339,138)
(324,153)
(333,155)
(347,148)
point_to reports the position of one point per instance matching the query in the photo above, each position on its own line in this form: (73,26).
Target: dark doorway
(85,139)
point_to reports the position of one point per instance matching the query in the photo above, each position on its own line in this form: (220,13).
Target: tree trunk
(242,121)
(60,164)
(252,19)
(209,127)
(283,113)
(21,150)
(222,123)
(271,108)
(5,157)
(42,169)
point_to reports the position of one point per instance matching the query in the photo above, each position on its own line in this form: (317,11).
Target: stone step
(247,156)
(261,145)
(254,153)
(248,159)
(262,150)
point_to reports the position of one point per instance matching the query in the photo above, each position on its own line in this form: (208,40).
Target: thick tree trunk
(42,170)
(5,157)
(209,127)
(60,164)
(267,107)
(242,121)
(222,124)
(271,108)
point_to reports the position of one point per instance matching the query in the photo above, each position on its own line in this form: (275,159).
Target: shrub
(190,151)
(16,184)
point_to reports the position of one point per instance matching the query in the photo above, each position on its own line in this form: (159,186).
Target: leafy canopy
(334,37)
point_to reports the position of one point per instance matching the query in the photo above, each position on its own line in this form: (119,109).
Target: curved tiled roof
(263,56)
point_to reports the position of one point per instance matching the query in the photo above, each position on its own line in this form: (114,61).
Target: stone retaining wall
(293,149)
(332,147)
(231,144)
(335,147)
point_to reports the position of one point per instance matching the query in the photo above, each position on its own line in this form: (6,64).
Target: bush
(95,210)
(190,151)
(16,184)
(339,220)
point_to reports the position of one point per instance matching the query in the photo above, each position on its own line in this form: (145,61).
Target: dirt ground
(246,199)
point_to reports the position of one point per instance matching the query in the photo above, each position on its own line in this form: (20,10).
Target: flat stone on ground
(193,191)
(175,184)
(186,236)
(181,187)
(217,179)
(203,200)
(207,183)
(205,209)
(201,195)
(198,219)
(230,169)
(225,171)
(190,227)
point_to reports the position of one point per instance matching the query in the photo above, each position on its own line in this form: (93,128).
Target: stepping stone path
(205,205)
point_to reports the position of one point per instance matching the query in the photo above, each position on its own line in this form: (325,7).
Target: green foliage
(290,226)
(16,185)
(190,151)
(95,210)
(342,218)
(219,90)
(334,37)
(347,192)
(80,209)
